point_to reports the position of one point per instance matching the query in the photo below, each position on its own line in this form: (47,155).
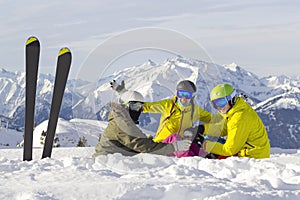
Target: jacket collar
(180,107)
(239,105)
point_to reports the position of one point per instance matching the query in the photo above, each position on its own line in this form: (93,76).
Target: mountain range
(275,98)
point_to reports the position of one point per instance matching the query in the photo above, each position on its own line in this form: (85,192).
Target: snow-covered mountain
(276,98)
(158,81)
(281,115)
(12,97)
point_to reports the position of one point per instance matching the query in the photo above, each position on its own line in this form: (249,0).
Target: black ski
(62,71)
(32,54)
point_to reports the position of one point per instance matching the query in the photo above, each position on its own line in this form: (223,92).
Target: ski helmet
(131,96)
(220,91)
(186,85)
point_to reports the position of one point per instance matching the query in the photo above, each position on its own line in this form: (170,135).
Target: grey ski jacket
(123,136)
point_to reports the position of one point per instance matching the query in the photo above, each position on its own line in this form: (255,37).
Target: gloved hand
(199,140)
(136,105)
(116,86)
(182,145)
(197,133)
(150,137)
(135,109)
(198,130)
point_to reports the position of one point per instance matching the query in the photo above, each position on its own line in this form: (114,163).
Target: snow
(72,173)
(8,137)
(232,66)
(69,132)
(287,100)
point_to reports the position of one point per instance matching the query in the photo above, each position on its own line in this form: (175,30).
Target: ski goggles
(185,94)
(223,101)
(220,103)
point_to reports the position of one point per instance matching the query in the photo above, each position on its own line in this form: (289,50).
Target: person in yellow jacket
(177,114)
(245,131)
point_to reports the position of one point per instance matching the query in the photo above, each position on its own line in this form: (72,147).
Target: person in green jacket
(245,131)
(176,114)
(123,136)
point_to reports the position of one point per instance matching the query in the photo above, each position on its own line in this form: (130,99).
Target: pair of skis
(32,54)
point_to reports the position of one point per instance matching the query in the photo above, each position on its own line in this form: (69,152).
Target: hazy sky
(260,36)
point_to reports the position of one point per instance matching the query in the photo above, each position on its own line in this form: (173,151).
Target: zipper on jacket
(250,145)
(181,120)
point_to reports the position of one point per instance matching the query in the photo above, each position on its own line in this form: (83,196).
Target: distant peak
(151,63)
(6,73)
(180,59)
(2,70)
(233,66)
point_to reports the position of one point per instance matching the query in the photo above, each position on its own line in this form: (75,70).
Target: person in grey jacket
(123,136)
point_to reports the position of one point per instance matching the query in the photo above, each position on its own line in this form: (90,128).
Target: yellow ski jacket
(175,118)
(246,134)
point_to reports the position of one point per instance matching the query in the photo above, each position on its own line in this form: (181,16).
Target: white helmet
(131,96)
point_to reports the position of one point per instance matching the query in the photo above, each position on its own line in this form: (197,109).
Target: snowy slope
(156,81)
(71,173)
(12,97)
(10,138)
(281,116)
(68,134)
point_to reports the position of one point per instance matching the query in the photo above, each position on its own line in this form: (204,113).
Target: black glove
(199,140)
(198,130)
(212,156)
(198,134)
(136,105)
(116,86)
(135,108)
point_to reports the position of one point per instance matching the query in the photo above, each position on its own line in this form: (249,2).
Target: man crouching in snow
(123,136)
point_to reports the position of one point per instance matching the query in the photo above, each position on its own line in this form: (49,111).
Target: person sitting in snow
(245,131)
(177,114)
(123,136)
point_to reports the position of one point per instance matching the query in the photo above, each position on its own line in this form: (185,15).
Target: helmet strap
(232,99)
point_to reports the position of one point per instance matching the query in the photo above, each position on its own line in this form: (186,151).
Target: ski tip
(63,51)
(31,40)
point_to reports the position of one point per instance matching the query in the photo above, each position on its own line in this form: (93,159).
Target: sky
(260,36)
